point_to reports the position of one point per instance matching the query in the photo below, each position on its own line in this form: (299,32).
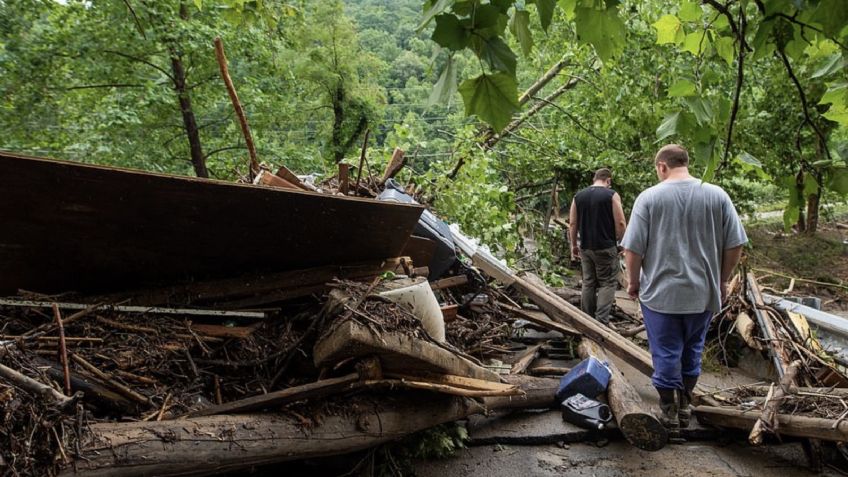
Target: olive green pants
(600,279)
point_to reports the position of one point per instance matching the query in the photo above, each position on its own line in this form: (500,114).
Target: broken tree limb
(30,385)
(745,327)
(63,350)
(767,421)
(636,421)
(344,178)
(120,388)
(396,163)
(790,425)
(362,160)
(539,393)
(231,90)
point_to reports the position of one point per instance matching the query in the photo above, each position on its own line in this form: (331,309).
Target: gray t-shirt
(681,228)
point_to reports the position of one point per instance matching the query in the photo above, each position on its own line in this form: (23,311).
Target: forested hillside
(756,90)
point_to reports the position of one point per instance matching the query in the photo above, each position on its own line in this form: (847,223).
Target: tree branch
(723,9)
(740,77)
(142,61)
(804,105)
(135,19)
(222,149)
(108,85)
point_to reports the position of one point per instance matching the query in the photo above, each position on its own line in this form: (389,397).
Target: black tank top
(594,218)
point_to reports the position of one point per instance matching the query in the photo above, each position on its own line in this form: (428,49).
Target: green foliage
(492,98)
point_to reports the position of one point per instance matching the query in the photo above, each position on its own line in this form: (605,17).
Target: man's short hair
(602,174)
(673,155)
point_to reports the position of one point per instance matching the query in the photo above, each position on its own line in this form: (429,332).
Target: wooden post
(344,178)
(638,424)
(361,160)
(245,129)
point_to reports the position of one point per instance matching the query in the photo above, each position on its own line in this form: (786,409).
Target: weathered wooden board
(397,352)
(71,226)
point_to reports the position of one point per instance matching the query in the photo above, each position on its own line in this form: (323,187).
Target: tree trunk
(189,121)
(799,187)
(813,213)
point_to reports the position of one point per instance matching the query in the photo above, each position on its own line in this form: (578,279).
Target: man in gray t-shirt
(682,244)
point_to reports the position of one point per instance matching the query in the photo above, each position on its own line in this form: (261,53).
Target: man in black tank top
(597,215)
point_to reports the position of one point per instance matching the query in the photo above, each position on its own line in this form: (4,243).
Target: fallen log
(767,421)
(219,444)
(136,309)
(639,425)
(790,425)
(227,443)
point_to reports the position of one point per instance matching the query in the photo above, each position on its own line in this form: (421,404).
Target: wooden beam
(344,178)
(449,282)
(564,312)
(635,419)
(396,163)
(536,317)
(790,425)
(398,352)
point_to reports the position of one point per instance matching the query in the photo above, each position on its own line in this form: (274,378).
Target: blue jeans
(676,342)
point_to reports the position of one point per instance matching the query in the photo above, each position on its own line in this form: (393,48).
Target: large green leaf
(449,33)
(839,181)
(546,12)
(496,53)
(493,98)
(702,109)
(833,16)
(487,21)
(603,29)
(669,126)
(761,44)
(682,88)
(568,7)
(837,97)
(690,11)
(434,9)
(696,42)
(833,64)
(445,87)
(669,30)
(520,28)
(724,49)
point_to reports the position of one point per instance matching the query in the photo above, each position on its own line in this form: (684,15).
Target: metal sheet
(66,226)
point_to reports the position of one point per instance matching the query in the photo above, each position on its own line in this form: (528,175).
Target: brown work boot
(685,399)
(670,409)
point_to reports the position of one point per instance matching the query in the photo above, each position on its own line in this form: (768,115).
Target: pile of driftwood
(805,396)
(92,386)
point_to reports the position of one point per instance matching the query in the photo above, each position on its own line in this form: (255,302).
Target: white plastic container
(419,297)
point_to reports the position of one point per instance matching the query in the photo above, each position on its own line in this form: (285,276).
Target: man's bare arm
(618,216)
(572,230)
(633,262)
(729,259)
